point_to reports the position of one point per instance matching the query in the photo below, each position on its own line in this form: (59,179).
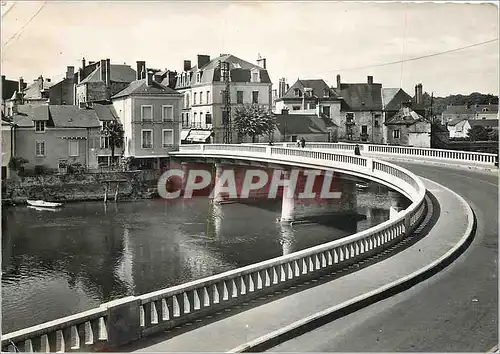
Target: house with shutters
(408,128)
(203,86)
(151,117)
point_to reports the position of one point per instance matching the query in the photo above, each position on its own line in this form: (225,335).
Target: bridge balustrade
(121,321)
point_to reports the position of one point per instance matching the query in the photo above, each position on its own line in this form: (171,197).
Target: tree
(493,134)
(114,131)
(253,120)
(477,133)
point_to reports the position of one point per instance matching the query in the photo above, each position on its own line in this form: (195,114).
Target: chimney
(149,78)
(80,76)
(108,73)
(287,87)
(141,66)
(40,82)
(187,65)
(370,80)
(83,63)
(171,75)
(70,72)
(261,62)
(203,60)
(3,87)
(338,81)
(102,66)
(419,97)
(21,84)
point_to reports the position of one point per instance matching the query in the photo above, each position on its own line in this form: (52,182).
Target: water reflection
(57,264)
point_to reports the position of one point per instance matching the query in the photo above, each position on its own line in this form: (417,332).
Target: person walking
(303,142)
(357,152)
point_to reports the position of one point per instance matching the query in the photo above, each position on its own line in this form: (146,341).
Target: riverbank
(132,185)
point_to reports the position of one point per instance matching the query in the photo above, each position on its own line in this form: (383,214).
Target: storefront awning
(199,136)
(185,133)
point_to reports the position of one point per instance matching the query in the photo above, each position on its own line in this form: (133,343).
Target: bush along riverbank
(132,185)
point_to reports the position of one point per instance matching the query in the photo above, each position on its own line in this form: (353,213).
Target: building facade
(457,113)
(151,118)
(408,128)
(63,92)
(202,87)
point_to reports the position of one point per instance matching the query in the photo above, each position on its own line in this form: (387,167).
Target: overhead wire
(18,33)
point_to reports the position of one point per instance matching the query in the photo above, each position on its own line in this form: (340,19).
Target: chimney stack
(3,87)
(149,78)
(108,73)
(102,67)
(281,87)
(40,82)
(187,65)
(420,94)
(203,60)
(370,80)
(261,62)
(141,67)
(21,84)
(338,82)
(83,63)
(70,72)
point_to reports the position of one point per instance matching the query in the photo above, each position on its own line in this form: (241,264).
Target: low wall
(81,187)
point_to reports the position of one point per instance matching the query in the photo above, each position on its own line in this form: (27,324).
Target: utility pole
(432,101)
(226,101)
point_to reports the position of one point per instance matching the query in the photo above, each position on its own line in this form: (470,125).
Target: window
(377,124)
(201,117)
(187,118)
(146,113)
(255,77)
(194,98)
(186,101)
(208,97)
(485,109)
(296,108)
(147,138)
(311,105)
(40,148)
(349,118)
(73,147)
(104,142)
(294,138)
(39,126)
(297,92)
(255,97)
(195,115)
(239,96)
(198,77)
(326,111)
(395,134)
(167,137)
(208,118)
(326,92)
(167,113)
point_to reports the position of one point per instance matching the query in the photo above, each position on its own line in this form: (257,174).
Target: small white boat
(361,186)
(43,204)
(44,209)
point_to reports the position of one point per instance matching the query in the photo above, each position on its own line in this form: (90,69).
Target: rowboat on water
(44,209)
(43,204)
(361,186)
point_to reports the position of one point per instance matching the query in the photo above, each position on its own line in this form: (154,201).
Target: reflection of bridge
(170,307)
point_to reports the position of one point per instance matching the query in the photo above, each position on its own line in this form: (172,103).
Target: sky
(305,40)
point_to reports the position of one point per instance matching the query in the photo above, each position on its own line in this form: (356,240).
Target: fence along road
(122,321)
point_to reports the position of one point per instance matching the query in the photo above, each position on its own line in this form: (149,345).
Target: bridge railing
(131,318)
(440,154)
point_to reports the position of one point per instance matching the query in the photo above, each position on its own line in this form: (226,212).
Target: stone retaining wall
(91,186)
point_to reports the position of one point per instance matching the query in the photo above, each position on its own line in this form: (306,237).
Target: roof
(317,85)
(27,113)
(361,97)
(33,91)
(73,117)
(119,73)
(471,109)
(302,124)
(9,87)
(393,97)
(483,123)
(456,121)
(139,87)
(406,116)
(210,72)
(105,112)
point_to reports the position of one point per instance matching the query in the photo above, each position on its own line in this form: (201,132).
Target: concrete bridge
(118,322)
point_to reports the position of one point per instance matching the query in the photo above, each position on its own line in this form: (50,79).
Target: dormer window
(255,77)
(39,126)
(198,77)
(326,93)
(485,109)
(297,92)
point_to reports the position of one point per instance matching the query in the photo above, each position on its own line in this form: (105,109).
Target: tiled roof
(317,85)
(456,121)
(302,124)
(27,113)
(119,73)
(73,117)
(484,122)
(472,109)
(105,112)
(361,97)
(139,87)
(405,116)
(9,88)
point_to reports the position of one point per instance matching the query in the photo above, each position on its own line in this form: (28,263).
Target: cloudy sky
(299,39)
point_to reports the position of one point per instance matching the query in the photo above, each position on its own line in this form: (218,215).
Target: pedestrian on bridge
(303,142)
(357,152)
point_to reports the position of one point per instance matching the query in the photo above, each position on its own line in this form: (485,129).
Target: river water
(57,263)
